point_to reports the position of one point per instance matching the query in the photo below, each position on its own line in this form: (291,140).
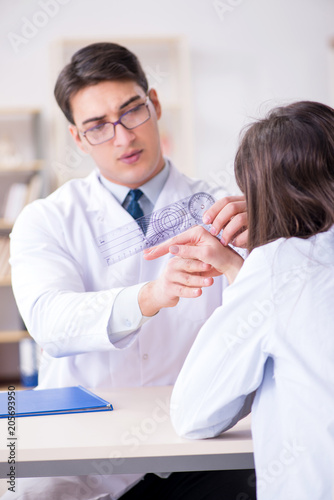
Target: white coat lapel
(106,214)
(109,214)
(176,188)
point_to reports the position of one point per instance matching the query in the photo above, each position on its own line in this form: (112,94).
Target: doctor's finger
(228,213)
(236,226)
(241,239)
(224,208)
(190,280)
(194,266)
(188,264)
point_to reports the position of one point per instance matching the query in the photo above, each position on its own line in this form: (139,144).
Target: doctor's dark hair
(93,64)
(285,167)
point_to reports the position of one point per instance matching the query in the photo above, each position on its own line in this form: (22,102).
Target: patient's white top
(273,335)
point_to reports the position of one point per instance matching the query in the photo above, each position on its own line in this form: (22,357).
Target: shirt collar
(151,189)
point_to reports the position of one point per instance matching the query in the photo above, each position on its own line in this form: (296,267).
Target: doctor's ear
(77,139)
(155,101)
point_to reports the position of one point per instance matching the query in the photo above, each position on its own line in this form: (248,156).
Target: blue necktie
(134,208)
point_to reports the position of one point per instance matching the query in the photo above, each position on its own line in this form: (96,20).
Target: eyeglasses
(130,120)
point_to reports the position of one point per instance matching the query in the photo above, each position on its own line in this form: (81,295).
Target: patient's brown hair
(285,167)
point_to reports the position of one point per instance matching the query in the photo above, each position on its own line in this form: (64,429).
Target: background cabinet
(21,181)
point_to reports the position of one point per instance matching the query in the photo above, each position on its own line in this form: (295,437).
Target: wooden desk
(137,437)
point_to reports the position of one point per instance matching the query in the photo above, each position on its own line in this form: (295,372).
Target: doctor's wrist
(147,304)
(151,299)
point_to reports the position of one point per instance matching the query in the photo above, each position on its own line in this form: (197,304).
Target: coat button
(145,356)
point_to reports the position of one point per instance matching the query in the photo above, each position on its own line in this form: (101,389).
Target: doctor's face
(131,157)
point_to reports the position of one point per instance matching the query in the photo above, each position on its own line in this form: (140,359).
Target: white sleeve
(226,362)
(48,286)
(125,319)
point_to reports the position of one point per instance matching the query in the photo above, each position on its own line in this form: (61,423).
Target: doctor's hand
(183,277)
(229,214)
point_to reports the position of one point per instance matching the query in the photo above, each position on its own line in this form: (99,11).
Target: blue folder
(29,403)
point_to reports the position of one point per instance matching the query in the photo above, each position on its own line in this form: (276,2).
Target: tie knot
(135,194)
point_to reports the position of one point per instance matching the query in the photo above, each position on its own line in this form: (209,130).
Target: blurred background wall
(245,57)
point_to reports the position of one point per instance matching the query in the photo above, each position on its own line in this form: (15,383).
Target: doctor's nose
(123,136)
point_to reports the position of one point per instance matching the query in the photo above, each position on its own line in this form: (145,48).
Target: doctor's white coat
(65,292)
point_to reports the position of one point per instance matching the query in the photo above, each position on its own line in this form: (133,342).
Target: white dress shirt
(274,335)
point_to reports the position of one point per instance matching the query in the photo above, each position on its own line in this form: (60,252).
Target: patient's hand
(198,244)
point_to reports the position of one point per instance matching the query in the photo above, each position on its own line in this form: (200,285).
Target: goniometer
(152,229)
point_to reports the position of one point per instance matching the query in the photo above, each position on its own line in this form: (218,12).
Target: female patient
(270,347)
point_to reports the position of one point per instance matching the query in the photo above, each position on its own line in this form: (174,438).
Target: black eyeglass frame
(119,122)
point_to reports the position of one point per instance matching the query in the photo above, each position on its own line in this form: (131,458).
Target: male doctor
(114,326)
